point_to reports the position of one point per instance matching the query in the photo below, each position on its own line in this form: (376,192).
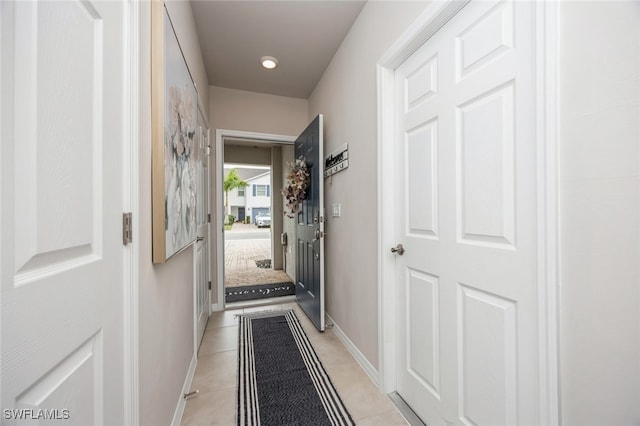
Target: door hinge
(209,217)
(127,229)
(209,285)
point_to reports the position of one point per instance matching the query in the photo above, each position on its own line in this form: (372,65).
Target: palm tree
(231,182)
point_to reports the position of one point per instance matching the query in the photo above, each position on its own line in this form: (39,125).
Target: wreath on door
(295,189)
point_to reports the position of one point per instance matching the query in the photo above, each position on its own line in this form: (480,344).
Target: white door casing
(65,93)
(201,258)
(474,303)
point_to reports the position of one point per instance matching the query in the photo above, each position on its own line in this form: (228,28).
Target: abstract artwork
(174,112)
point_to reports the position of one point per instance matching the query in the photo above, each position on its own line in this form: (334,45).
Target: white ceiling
(303,35)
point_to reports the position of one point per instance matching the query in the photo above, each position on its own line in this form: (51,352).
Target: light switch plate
(337,210)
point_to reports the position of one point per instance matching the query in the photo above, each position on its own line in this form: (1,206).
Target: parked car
(263,220)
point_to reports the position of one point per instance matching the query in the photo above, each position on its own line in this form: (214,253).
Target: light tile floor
(216,374)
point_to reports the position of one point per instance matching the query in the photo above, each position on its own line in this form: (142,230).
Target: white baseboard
(351,347)
(177,415)
(215,307)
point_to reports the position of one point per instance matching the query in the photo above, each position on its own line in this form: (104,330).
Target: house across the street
(255,198)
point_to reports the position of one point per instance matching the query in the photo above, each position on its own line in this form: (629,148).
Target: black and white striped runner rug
(281,380)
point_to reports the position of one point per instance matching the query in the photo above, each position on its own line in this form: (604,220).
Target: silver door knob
(398,249)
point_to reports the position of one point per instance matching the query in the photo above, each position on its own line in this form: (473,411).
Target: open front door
(310,227)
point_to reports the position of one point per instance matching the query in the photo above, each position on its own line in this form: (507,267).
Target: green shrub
(247,219)
(231,219)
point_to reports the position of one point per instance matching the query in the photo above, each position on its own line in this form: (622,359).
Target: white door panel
(201,291)
(63,94)
(467,219)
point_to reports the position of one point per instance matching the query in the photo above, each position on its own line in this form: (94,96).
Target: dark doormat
(264,263)
(261,291)
(281,381)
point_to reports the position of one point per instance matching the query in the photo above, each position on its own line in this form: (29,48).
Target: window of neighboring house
(240,192)
(260,190)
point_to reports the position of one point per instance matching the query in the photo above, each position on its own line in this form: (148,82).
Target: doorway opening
(258,263)
(251,272)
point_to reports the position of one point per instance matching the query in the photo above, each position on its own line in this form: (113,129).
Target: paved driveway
(243,245)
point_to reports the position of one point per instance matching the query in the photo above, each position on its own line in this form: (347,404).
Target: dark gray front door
(310,227)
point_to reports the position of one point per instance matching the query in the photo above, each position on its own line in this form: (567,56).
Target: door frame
(546,91)
(130,203)
(221,134)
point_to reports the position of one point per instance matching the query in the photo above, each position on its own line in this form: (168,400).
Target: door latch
(398,249)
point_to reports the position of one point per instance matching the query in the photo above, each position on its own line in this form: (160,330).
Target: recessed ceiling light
(269,62)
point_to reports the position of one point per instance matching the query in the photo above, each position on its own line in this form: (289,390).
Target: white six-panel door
(466,209)
(201,258)
(62,122)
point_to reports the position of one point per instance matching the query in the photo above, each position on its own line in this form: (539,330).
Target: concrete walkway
(240,257)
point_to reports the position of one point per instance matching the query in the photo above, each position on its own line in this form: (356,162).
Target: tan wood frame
(157,132)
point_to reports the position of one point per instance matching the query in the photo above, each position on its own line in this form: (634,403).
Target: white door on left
(64,89)
(201,258)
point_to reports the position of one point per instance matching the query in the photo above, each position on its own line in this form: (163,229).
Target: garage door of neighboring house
(258,211)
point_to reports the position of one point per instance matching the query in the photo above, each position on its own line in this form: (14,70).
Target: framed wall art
(174,116)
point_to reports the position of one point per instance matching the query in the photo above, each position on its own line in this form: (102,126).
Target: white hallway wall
(165,291)
(240,110)
(600,212)
(232,109)
(346,95)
